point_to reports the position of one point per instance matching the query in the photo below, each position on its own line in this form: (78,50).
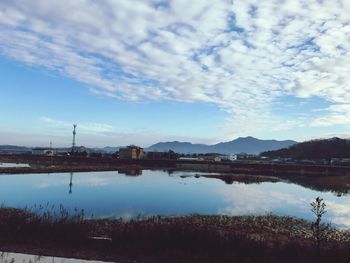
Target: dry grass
(193,238)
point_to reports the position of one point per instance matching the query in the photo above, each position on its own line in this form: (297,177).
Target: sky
(144,71)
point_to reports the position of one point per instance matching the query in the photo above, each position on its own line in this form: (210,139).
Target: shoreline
(47,164)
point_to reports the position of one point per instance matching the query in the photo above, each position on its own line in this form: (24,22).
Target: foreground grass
(193,238)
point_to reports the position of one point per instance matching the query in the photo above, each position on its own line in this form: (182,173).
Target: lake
(145,193)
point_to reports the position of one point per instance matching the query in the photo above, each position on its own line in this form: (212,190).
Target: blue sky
(146,71)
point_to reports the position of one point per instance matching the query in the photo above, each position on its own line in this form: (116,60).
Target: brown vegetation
(193,238)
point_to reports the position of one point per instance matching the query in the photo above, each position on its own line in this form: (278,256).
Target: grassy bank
(193,238)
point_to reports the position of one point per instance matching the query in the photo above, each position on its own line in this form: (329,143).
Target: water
(113,194)
(30,258)
(13,165)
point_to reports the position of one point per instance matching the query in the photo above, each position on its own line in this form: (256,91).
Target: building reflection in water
(130,172)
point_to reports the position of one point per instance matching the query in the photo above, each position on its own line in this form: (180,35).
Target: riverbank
(195,238)
(51,164)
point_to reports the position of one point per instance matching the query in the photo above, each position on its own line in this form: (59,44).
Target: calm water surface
(112,194)
(11,165)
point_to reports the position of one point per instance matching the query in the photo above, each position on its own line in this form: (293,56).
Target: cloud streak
(242,56)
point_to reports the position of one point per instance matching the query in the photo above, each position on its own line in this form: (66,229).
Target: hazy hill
(315,149)
(14,148)
(251,145)
(243,144)
(107,149)
(179,147)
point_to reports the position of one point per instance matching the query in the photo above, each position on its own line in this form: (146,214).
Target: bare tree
(318,228)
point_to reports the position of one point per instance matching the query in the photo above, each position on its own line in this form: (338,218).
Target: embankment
(44,164)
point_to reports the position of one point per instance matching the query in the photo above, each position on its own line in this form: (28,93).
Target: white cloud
(241,56)
(339,114)
(339,213)
(250,199)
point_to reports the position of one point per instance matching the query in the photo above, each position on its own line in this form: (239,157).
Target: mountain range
(248,145)
(14,149)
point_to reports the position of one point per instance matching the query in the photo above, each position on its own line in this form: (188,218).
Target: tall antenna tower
(74,133)
(70,183)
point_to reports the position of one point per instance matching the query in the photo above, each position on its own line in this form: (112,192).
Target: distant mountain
(251,145)
(14,149)
(248,144)
(243,144)
(314,150)
(109,149)
(179,147)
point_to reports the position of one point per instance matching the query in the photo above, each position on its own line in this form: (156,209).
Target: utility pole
(74,133)
(51,154)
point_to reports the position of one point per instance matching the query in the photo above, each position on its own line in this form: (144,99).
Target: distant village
(133,152)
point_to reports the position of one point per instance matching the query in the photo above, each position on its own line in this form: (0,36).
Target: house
(131,152)
(43,151)
(169,155)
(210,158)
(188,159)
(340,161)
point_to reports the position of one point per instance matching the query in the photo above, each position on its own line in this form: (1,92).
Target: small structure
(210,158)
(340,161)
(169,155)
(189,159)
(131,152)
(43,151)
(79,151)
